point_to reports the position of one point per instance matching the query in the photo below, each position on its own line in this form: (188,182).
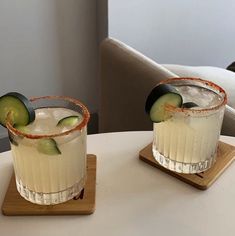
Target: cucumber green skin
(22,106)
(158,94)
(68,121)
(48,146)
(189,105)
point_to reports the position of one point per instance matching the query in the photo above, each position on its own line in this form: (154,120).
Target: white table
(133,198)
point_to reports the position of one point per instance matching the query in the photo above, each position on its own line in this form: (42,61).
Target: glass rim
(207,83)
(86,118)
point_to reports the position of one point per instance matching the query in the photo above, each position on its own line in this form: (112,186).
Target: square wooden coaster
(15,205)
(204,180)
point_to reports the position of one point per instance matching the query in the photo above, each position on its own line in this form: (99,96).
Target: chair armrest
(127,77)
(228,127)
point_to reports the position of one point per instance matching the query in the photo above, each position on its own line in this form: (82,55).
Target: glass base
(180,167)
(50,198)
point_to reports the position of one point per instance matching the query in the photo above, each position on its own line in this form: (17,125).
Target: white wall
(190,32)
(49,47)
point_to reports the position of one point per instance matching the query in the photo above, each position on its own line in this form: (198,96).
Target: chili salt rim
(195,110)
(86,118)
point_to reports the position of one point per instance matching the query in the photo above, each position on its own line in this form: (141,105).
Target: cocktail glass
(49,160)
(187,141)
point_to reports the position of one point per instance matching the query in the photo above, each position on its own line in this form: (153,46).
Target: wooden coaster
(204,180)
(84,204)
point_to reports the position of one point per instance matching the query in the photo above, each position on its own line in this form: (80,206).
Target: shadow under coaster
(83,204)
(204,180)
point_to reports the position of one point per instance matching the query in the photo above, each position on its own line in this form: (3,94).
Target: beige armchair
(127,77)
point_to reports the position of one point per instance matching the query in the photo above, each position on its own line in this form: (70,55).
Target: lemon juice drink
(49,154)
(186,138)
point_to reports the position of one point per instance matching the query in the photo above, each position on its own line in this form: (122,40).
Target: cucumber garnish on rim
(161,96)
(18,106)
(68,121)
(48,146)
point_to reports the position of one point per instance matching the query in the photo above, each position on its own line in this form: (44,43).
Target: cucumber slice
(189,105)
(68,121)
(22,112)
(48,146)
(159,97)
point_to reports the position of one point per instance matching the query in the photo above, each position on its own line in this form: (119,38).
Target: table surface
(133,198)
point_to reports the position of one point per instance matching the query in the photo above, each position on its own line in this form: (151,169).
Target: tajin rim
(80,126)
(207,83)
